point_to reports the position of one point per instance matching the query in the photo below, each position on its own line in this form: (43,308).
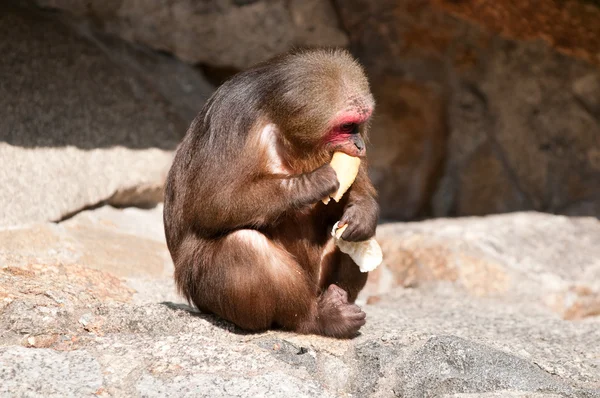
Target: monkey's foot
(338,317)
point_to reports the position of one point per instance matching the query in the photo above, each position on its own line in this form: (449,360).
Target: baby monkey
(245,218)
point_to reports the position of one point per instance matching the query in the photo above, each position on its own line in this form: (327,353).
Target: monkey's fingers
(335,296)
(356,232)
(339,231)
(353,313)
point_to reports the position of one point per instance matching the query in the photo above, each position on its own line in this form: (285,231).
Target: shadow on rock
(211,318)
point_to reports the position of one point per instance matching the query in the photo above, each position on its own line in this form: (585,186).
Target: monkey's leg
(349,277)
(339,269)
(250,281)
(341,281)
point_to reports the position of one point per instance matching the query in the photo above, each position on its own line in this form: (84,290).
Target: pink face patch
(345,123)
(337,138)
(357,116)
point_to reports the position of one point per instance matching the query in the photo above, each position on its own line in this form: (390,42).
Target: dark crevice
(592,2)
(427,210)
(73,213)
(593,200)
(102,203)
(217,75)
(587,109)
(511,174)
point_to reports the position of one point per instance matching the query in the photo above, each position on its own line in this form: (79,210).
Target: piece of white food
(366,254)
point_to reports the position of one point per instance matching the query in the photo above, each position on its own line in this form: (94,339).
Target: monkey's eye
(349,128)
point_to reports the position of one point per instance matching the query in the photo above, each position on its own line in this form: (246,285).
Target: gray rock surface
(221,33)
(121,253)
(553,261)
(81,319)
(415,349)
(73,373)
(84,119)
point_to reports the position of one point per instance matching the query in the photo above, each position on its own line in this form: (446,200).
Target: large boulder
(84,119)
(484,107)
(220,33)
(100,255)
(521,257)
(82,316)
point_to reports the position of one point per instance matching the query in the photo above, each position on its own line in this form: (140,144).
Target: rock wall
(484,107)
(84,118)
(87,118)
(222,33)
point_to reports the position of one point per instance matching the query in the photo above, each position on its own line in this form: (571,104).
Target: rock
(409,350)
(22,368)
(540,140)
(445,364)
(478,346)
(481,110)
(517,257)
(569,27)
(103,255)
(84,119)
(405,150)
(220,33)
(109,319)
(587,90)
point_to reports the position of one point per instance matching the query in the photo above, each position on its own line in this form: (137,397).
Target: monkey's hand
(366,254)
(309,188)
(361,218)
(264,200)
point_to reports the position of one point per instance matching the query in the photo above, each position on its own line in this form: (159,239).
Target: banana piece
(346,169)
(367,254)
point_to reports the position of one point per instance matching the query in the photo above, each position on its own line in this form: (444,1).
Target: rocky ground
(480,110)
(482,307)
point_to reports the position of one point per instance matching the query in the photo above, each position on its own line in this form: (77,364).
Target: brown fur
(244,223)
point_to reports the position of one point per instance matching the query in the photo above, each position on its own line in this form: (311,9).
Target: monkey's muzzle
(359,143)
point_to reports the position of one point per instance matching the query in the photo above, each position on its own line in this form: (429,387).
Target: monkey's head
(322,102)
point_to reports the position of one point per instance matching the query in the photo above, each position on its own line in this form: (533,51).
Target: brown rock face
(220,33)
(406,145)
(494,119)
(570,26)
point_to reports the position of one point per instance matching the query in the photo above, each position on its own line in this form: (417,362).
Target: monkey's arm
(361,212)
(262,200)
